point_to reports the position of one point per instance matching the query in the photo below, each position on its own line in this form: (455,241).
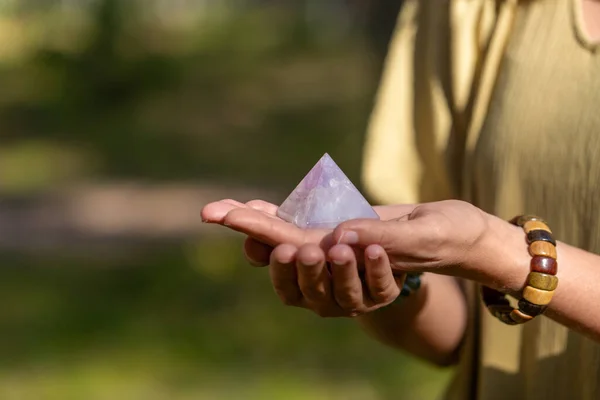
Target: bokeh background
(118,121)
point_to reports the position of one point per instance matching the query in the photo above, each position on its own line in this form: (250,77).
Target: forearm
(575,303)
(429,324)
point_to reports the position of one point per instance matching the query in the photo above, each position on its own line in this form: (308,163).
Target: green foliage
(254,90)
(254,100)
(181,322)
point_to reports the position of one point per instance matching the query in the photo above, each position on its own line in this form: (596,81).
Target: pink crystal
(324,199)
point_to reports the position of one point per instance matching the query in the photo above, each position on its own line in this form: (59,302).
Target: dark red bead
(544,265)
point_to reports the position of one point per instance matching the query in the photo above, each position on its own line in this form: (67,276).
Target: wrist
(500,259)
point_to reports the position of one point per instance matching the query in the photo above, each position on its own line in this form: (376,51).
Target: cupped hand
(328,282)
(257,219)
(307,268)
(446,237)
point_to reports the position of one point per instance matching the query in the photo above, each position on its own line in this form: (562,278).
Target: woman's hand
(257,219)
(303,277)
(307,268)
(447,237)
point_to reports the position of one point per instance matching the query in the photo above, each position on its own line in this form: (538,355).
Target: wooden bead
(534,225)
(497,309)
(544,265)
(493,297)
(505,317)
(542,281)
(542,249)
(530,308)
(540,235)
(520,317)
(537,296)
(520,221)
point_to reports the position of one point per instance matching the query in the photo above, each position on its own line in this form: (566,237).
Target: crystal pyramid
(324,199)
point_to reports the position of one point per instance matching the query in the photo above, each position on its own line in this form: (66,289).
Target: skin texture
(360,283)
(355,270)
(591,18)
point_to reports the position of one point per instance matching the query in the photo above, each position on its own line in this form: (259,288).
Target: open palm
(308,268)
(258,220)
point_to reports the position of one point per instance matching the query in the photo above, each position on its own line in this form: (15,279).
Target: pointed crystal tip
(324,199)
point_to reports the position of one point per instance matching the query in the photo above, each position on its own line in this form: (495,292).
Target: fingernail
(338,262)
(349,237)
(256,263)
(310,263)
(372,254)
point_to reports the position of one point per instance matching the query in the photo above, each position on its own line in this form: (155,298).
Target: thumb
(365,232)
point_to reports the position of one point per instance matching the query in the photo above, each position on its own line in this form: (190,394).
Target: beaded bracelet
(541,281)
(412,283)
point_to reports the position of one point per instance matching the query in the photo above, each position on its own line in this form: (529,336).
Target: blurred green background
(118,121)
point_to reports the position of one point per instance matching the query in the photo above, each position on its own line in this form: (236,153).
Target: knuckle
(282,254)
(386,236)
(310,251)
(436,235)
(349,299)
(378,277)
(381,285)
(383,294)
(315,293)
(260,205)
(231,217)
(436,232)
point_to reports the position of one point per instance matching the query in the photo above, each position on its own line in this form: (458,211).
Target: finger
(234,203)
(381,285)
(347,286)
(215,212)
(272,231)
(399,278)
(284,277)
(397,211)
(391,235)
(313,277)
(267,230)
(257,253)
(261,205)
